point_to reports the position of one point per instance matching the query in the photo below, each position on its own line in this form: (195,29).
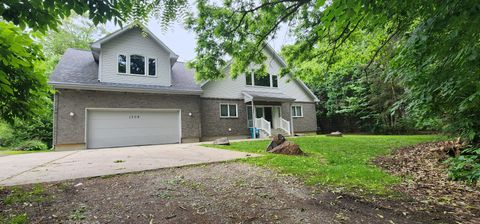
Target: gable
(232,88)
(133,42)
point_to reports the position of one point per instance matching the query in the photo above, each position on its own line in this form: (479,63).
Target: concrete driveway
(56,166)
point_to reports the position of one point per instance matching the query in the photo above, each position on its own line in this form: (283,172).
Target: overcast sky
(183,42)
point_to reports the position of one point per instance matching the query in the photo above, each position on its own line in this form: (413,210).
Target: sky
(182,42)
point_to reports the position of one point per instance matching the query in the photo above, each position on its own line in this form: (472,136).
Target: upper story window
(152,67)
(122,63)
(267,81)
(136,65)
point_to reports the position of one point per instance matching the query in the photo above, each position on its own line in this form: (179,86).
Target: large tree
(436,58)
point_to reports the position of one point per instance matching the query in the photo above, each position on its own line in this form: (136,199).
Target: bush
(465,167)
(32,145)
(6,134)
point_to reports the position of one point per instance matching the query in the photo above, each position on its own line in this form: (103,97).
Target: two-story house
(131,90)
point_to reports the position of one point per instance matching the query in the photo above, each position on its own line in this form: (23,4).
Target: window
(137,64)
(152,65)
(248,78)
(262,80)
(297,111)
(228,110)
(274,81)
(122,63)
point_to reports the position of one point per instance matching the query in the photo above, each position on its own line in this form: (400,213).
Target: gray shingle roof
(266,96)
(78,67)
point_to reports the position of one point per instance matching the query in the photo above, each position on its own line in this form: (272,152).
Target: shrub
(32,145)
(6,134)
(465,167)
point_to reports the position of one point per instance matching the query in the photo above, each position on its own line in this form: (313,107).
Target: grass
(8,151)
(338,162)
(18,195)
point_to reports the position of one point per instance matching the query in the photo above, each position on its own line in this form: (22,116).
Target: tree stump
(276,141)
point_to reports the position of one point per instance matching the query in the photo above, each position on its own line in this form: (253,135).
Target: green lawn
(337,162)
(6,151)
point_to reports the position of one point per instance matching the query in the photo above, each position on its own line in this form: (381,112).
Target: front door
(268,115)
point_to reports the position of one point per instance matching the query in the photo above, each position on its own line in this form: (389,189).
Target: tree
(436,58)
(23,86)
(76,31)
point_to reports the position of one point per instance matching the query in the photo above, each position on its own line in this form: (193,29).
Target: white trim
(100,64)
(129,109)
(301,110)
(58,85)
(228,110)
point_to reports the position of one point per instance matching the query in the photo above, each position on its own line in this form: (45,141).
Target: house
(129,89)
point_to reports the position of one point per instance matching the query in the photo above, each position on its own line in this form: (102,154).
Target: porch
(264,112)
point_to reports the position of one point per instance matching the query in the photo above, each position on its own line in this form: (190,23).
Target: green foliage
(23,84)
(18,195)
(428,49)
(336,162)
(48,14)
(15,219)
(76,31)
(6,134)
(32,145)
(465,167)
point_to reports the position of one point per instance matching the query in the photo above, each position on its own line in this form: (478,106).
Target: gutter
(60,85)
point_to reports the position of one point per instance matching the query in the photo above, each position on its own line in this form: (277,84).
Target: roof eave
(62,85)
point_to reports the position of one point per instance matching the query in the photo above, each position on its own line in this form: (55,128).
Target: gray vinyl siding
(133,42)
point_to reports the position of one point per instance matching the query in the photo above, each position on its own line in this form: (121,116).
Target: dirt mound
(426,179)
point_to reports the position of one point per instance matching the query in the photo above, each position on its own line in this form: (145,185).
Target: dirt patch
(216,193)
(426,180)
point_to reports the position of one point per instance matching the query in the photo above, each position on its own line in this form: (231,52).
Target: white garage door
(113,128)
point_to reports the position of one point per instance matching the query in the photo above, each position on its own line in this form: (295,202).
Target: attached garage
(129,127)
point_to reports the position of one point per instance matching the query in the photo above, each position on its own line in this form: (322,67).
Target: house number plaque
(133,116)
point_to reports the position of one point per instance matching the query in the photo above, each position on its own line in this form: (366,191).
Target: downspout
(254,117)
(291,121)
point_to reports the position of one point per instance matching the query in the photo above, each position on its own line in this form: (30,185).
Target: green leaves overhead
(23,85)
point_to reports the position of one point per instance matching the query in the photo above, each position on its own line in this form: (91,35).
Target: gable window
(152,66)
(262,80)
(274,81)
(248,78)
(137,64)
(122,64)
(258,80)
(228,110)
(297,111)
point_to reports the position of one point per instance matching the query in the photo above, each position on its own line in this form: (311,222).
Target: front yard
(344,163)
(342,186)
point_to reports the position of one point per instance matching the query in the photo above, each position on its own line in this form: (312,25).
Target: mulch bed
(426,179)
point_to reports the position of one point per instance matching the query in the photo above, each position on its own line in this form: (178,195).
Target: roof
(78,69)
(266,96)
